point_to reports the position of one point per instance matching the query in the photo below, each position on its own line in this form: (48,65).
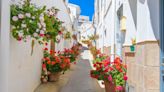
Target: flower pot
(53,77)
(132,48)
(109,87)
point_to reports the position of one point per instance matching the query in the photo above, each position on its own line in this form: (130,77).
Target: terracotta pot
(53,77)
(110,87)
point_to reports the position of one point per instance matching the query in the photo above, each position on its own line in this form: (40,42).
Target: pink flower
(41,33)
(28,15)
(110,78)
(20,16)
(119,88)
(15,18)
(125,77)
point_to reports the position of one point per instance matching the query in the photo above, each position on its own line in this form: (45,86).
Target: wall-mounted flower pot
(132,48)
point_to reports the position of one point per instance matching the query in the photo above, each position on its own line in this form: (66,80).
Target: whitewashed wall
(20,72)
(131,29)
(148,20)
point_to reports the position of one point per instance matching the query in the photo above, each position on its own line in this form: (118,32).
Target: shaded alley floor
(76,80)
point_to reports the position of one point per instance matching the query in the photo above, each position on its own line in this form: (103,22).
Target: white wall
(24,69)
(4,45)
(148,20)
(20,72)
(130,24)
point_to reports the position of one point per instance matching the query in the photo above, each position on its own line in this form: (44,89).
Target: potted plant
(55,64)
(132,47)
(67,35)
(53,25)
(112,73)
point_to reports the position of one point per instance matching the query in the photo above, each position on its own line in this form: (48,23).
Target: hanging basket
(53,77)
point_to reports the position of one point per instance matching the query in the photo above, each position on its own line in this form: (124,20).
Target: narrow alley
(81,45)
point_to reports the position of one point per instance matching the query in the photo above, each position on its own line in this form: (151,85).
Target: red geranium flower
(49,62)
(125,77)
(53,63)
(45,48)
(43,66)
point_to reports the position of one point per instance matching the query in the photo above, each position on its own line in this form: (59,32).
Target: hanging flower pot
(132,48)
(53,77)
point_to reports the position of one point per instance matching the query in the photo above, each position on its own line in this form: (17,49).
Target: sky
(87,7)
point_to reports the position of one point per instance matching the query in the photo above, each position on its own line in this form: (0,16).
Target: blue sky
(87,7)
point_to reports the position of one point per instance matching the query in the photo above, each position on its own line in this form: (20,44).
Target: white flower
(35,35)
(23,25)
(28,15)
(20,34)
(39,25)
(15,18)
(44,29)
(20,16)
(33,17)
(50,13)
(41,18)
(58,37)
(41,32)
(37,30)
(43,24)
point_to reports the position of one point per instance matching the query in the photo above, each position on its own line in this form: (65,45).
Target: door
(161,46)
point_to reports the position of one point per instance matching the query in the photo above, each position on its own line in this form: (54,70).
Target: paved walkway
(80,80)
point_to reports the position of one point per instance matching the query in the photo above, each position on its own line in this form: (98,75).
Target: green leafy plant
(27,21)
(112,72)
(53,24)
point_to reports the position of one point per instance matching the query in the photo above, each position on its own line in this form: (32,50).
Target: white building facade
(118,22)
(85,27)
(74,14)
